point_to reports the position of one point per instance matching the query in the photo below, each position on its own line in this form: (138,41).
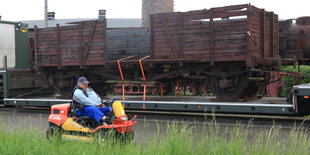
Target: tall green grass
(207,138)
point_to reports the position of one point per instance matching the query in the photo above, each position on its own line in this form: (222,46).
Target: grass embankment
(179,140)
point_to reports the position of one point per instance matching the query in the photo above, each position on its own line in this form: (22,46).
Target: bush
(290,82)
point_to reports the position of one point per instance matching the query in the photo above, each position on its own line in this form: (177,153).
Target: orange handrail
(121,72)
(144,86)
(120,69)
(141,67)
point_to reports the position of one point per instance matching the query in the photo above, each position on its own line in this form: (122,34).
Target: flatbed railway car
(297,103)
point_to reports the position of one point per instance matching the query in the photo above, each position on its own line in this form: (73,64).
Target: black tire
(126,137)
(130,136)
(102,137)
(53,131)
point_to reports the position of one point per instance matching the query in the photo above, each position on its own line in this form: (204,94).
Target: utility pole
(45,13)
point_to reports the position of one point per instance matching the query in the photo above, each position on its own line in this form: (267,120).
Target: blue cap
(83,80)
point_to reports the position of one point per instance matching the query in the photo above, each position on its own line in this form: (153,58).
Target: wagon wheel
(229,88)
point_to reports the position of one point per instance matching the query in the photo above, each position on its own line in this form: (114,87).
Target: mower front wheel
(53,131)
(127,137)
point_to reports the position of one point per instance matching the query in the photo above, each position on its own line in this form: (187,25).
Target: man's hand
(101,105)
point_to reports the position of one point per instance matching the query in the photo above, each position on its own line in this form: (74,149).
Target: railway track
(227,119)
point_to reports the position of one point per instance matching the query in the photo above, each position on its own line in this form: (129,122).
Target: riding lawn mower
(66,124)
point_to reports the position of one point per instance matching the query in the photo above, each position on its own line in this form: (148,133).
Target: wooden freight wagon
(63,53)
(222,43)
(81,44)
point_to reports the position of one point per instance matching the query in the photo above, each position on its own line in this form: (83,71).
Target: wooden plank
(230,8)
(211,39)
(88,44)
(58,47)
(168,36)
(181,35)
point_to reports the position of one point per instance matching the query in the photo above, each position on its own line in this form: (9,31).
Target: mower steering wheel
(108,102)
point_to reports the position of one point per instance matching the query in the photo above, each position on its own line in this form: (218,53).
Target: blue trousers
(95,113)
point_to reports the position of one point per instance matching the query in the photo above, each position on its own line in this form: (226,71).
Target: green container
(14,43)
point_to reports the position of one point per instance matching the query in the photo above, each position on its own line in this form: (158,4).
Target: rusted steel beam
(276,61)
(88,44)
(131,82)
(167,34)
(58,47)
(268,61)
(126,58)
(174,72)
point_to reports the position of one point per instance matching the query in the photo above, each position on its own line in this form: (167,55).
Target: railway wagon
(224,44)
(80,44)
(220,48)
(63,52)
(295,39)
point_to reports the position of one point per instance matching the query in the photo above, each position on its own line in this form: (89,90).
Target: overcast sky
(16,10)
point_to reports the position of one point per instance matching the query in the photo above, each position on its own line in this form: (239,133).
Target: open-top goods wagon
(222,43)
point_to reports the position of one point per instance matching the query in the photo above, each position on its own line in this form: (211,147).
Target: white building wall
(7,44)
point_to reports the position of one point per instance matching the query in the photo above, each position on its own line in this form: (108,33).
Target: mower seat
(73,112)
(86,121)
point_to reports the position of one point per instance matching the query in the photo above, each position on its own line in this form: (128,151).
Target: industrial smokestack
(102,14)
(155,6)
(51,15)
(45,13)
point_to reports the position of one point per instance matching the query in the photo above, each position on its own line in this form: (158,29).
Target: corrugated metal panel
(7,44)
(128,42)
(111,22)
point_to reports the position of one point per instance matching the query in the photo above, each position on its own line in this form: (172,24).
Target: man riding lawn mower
(88,115)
